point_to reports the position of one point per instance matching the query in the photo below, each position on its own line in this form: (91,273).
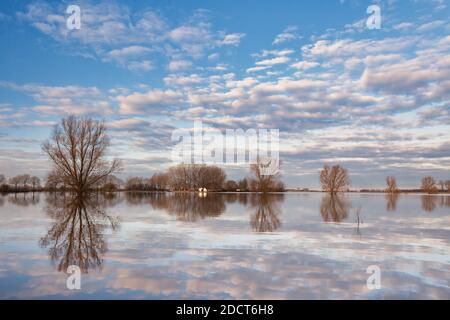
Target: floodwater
(225,246)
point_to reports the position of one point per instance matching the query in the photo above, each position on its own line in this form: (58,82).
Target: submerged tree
(77,149)
(428,184)
(265,177)
(334,179)
(391,185)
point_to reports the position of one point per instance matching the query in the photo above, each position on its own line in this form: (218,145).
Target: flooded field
(225,246)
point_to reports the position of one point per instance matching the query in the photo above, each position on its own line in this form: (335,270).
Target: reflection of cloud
(153,256)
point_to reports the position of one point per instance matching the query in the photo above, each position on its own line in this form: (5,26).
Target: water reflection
(76,236)
(429,202)
(334,207)
(266,217)
(184,206)
(24,199)
(391,201)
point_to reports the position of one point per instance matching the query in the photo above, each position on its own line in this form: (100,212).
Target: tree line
(336,179)
(20,183)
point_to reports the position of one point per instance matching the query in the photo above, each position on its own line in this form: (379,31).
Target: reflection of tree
(391,201)
(24,199)
(76,236)
(429,202)
(266,217)
(358,221)
(334,207)
(189,206)
(445,201)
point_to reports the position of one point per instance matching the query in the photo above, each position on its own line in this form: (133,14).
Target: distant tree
(77,149)
(24,179)
(447,185)
(135,184)
(428,184)
(2,179)
(231,185)
(54,181)
(391,185)
(110,183)
(159,181)
(191,177)
(442,185)
(15,181)
(35,182)
(334,179)
(243,185)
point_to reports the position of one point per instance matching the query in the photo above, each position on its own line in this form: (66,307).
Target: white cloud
(305,65)
(151,101)
(128,51)
(232,39)
(140,66)
(179,65)
(289,34)
(273,61)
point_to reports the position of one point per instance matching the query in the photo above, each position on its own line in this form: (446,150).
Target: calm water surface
(225,246)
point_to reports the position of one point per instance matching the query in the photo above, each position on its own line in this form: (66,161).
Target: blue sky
(375,101)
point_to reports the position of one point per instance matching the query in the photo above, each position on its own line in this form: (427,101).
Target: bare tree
(447,185)
(190,177)
(334,179)
(243,185)
(35,182)
(26,179)
(77,149)
(15,181)
(442,185)
(428,184)
(54,181)
(2,179)
(391,185)
(231,185)
(263,182)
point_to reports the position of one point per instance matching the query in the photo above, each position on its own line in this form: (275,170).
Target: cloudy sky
(375,101)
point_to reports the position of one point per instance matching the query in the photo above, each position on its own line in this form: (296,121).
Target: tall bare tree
(429,184)
(2,179)
(334,179)
(391,185)
(77,149)
(447,185)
